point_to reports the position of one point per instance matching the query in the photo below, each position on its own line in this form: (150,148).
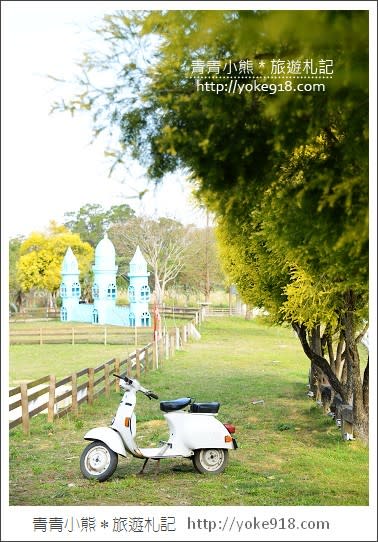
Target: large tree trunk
(360,413)
(340,361)
(158,291)
(319,361)
(331,356)
(365,388)
(316,346)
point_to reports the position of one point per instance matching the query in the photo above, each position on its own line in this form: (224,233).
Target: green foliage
(202,270)
(285,173)
(260,274)
(15,292)
(91,221)
(309,303)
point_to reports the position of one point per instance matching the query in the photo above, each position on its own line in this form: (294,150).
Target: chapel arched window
(63,290)
(112,291)
(131,292)
(145,293)
(76,290)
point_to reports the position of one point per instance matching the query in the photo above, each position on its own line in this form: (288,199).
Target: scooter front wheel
(98,461)
(210,460)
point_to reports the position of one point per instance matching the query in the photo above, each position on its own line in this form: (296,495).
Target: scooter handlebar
(150,394)
(125,378)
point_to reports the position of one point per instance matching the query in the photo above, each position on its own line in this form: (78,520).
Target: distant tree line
(183,256)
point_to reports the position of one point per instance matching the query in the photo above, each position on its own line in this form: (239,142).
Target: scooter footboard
(109,437)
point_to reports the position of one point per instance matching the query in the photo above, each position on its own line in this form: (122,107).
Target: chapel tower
(104,289)
(139,291)
(70,290)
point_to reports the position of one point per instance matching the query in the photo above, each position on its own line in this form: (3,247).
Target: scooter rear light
(230,428)
(228,438)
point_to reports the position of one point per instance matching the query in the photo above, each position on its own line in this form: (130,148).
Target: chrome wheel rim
(97,460)
(212,459)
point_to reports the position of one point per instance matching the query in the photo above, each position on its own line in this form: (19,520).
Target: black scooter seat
(175,404)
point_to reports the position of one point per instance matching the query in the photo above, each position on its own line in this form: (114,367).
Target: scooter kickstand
(144,464)
(157,470)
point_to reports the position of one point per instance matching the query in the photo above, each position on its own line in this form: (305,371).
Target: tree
(202,270)
(285,172)
(163,243)
(16,297)
(313,277)
(91,221)
(324,191)
(41,257)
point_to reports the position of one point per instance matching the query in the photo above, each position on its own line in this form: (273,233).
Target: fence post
(51,404)
(166,344)
(106,371)
(146,359)
(177,331)
(116,370)
(137,363)
(160,350)
(25,407)
(183,335)
(155,352)
(129,368)
(172,339)
(90,385)
(74,406)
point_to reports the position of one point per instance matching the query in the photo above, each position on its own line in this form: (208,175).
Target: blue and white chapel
(104,290)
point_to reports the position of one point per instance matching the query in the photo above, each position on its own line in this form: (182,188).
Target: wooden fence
(81,335)
(97,334)
(39,313)
(65,395)
(30,314)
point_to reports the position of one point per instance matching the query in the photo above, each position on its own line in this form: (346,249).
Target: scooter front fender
(109,437)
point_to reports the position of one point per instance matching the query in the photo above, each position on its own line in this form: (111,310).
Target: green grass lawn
(289,452)
(30,361)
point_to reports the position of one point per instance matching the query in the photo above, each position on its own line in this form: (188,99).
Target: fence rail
(183,312)
(57,398)
(215,311)
(81,335)
(40,313)
(99,334)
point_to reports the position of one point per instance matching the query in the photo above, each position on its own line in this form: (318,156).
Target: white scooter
(195,433)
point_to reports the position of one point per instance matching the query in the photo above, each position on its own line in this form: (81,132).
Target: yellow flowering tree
(41,256)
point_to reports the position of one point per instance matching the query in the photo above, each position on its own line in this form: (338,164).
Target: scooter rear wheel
(98,461)
(210,460)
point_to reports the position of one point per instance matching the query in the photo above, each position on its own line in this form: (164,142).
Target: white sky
(49,165)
